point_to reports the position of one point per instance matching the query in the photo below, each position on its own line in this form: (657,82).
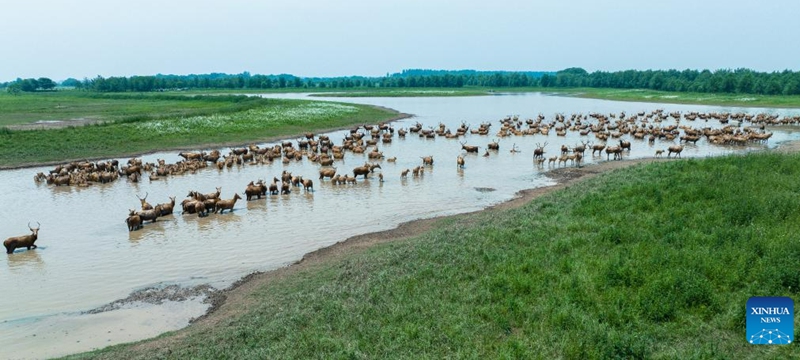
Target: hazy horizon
(313,38)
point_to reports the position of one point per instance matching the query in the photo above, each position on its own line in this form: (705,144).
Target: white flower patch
(295,114)
(185,125)
(250,119)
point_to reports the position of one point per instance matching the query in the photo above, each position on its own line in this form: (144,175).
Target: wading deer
(26,241)
(166,208)
(145,204)
(227,204)
(539,151)
(134,221)
(469,148)
(675,149)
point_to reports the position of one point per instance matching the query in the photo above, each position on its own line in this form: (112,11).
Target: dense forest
(743,81)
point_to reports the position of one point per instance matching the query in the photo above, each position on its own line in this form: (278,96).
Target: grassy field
(739,100)
(404,92)
(653,261)
(70,105)
(136,123)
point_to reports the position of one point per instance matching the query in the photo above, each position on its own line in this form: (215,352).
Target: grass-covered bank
(140,123)
(739,100)
(640,95)
(70,105)
(404,92)
(654,261)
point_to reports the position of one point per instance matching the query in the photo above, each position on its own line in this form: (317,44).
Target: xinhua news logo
(770,320)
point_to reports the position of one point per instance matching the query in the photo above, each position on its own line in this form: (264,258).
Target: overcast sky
(86,38)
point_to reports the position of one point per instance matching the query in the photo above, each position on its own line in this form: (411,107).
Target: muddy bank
(159,295)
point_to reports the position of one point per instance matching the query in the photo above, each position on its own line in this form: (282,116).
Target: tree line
(744,81)
(30,85)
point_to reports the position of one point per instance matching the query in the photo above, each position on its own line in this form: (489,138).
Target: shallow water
(87,258)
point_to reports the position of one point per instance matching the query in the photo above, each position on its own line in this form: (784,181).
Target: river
(87,258)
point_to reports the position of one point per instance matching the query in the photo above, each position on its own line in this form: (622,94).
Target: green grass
(640,95)
(143,123)
(655,261)
(743,100)
(403,92)
(68,105)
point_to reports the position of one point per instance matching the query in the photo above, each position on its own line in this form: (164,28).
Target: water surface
(87,258)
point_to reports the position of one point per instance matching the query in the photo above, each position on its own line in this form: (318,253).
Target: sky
(323,38)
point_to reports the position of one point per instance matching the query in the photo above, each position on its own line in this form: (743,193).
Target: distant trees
(71,82)
(742,81)
(31,85)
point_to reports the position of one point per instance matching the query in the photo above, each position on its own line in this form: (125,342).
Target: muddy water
(87,258)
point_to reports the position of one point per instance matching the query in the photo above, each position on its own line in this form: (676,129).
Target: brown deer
(166,208)
(150,215)
(327,172)
(134,221)
(308,185)
(227,204)
(26,241)
(598,148)
(616,150)
(539,151)
(469,148)
(675,149)
(254,190)
(361,170)
(273,187)
(145,204)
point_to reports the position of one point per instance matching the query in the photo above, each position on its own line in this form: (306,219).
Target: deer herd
(600,133)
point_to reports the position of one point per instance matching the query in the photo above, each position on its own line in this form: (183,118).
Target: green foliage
(71,82)
(722,81)
(31,85)
(654,261)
